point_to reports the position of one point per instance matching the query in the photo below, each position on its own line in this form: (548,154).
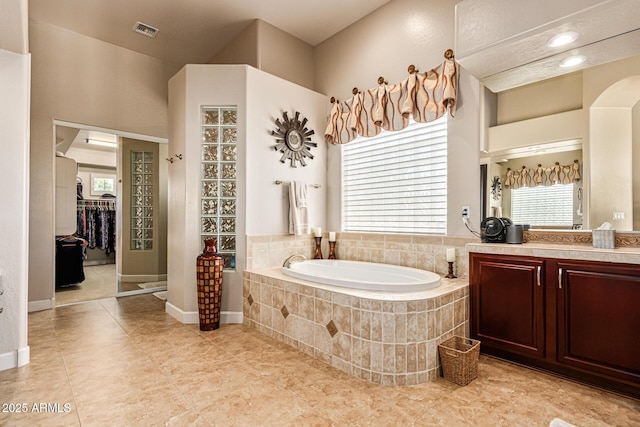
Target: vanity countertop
(628,255)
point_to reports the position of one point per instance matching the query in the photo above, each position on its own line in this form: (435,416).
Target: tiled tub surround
(384,338)
(423,252)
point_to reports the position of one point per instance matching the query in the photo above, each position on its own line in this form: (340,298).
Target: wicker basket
(459,359)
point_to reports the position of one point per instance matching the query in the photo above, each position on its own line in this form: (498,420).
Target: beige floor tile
(126,362)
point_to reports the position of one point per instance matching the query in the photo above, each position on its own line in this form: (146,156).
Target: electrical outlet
(466,212)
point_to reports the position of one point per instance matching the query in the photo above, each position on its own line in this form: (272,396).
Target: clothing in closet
(97,224)
(69,258)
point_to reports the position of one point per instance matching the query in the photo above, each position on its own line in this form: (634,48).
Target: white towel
(301,195)
(298,210)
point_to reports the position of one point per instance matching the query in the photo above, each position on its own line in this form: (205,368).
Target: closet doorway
(111,212)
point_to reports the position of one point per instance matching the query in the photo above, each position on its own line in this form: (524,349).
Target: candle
(332,236)
(317,231)
(451,254)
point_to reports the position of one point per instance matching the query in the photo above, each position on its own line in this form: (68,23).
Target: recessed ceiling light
(101,143)
(572,61)
(562,39)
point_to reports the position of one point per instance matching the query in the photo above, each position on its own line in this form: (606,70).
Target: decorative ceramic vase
(209,267)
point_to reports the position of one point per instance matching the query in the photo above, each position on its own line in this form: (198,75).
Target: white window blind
(542,205)
(396,182)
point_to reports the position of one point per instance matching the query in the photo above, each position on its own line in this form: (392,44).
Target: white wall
(385,43)
(596,81)
(81,80)
(268,204)
(270,49)
(14,191)
(261,209)
(611,142)
(192,87)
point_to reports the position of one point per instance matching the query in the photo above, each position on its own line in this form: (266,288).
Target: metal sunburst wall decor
(293,139)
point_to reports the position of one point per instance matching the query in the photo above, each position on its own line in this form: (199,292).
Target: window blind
(552,205)
(396,182)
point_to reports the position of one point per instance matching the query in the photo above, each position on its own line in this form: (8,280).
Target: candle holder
(451,275)
(318,254)
(332,250)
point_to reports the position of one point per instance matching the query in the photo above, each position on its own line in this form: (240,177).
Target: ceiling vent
(145,30)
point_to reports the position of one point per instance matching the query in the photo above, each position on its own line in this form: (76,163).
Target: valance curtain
(423,96)
(533,177)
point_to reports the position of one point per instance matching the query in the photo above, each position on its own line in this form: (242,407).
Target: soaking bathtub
(384,335)
(364,275)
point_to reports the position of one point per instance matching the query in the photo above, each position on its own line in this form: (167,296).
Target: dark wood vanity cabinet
(580,319)
(508,304)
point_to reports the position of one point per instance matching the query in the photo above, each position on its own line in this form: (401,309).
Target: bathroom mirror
(552,204)
(609,151)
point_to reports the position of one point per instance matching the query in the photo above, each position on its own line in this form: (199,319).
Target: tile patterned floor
(125,362)
(99,283)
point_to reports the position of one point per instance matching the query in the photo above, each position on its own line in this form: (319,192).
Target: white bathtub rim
(447,286)
(389,278)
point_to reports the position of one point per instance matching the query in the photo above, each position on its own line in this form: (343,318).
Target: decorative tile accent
(229,135)
(229,153)
(406,356)
(210,117)
(209,207)
(228,188)
(209,225)
(228,225)
(623,240)
(141,200)
(209,189)
(229,117)
(211,135)
(331,327)
(228,207)
(568,238)
(209,171)
(210,153)
(218,178)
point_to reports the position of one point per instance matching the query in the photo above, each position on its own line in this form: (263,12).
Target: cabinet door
(599,318)
(507,304)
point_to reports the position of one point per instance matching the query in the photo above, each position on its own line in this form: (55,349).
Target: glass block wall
(219,180)
(141,200)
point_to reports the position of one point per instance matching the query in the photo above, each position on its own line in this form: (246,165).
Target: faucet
(287,262)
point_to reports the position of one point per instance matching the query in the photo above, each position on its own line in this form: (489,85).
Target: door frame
(120,134)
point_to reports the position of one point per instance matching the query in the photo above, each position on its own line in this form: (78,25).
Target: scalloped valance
(423,96)
(533,177)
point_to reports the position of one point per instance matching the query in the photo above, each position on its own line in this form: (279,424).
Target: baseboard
(191,317)
(187,317)
(129,278)
(14,359)
(46,304)
(95,262)
(231,317)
